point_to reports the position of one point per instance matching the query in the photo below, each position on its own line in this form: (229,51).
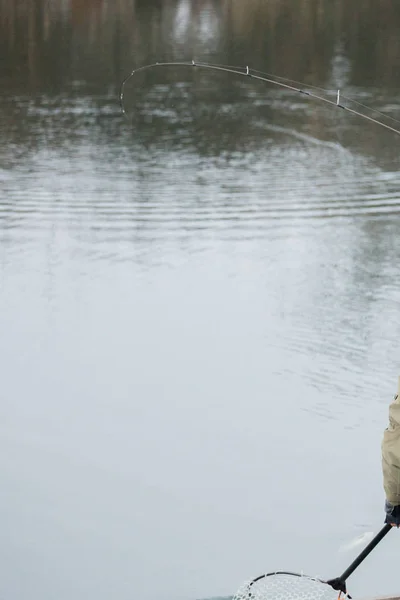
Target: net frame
(338,584)
(287,585)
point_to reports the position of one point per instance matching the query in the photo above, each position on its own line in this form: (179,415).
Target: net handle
(340,582)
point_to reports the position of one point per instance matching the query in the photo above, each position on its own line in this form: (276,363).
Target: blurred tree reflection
(48,43)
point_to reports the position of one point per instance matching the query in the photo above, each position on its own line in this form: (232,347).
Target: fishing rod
(267,78)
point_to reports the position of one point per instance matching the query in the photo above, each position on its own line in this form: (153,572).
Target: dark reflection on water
(199,301)
(54,43)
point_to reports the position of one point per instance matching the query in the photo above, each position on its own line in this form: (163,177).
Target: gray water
(199,302)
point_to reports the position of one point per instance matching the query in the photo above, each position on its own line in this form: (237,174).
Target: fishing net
(286,586)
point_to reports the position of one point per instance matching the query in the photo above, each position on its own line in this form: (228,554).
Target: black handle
(367,550)
(340,582)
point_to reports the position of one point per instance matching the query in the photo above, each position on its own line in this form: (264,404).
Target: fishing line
(282,82)
(281,585)
(314,87)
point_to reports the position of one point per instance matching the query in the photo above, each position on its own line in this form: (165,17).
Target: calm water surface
(199,308)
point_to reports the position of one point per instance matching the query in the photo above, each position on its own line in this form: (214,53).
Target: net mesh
(285,586)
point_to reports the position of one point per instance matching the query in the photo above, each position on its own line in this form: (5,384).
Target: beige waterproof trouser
(391,452)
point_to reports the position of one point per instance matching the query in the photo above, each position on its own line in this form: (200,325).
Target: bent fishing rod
(281,82)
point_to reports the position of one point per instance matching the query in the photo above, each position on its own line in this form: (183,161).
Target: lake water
(199,302)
